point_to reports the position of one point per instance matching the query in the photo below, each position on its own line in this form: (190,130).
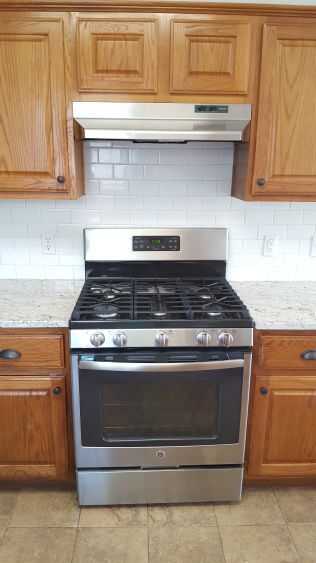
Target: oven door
(129,414)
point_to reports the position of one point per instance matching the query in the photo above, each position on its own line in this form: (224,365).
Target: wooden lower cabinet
(33,427)
(35,405)
(282,410)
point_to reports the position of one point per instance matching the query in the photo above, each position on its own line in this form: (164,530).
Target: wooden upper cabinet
(211,56)
(285,156)
(117,54)
(33,139)
(283,440)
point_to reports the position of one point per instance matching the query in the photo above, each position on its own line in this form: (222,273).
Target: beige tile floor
(268,526)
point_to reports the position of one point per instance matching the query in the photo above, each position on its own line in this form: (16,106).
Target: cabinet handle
(60,179)
(10,354)
(261,182)
(264,390)
(309,355)
(57,390)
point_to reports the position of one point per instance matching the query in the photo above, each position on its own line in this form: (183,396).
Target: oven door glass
(130,408)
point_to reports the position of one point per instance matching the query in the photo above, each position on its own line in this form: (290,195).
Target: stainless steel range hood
(161,121)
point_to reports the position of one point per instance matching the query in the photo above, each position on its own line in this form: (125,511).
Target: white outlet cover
(313,246)
(270,245)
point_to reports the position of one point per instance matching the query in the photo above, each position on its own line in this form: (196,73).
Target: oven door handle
(163,367)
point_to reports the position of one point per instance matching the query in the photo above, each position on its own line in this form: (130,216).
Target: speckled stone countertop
(280,305)
(37,303)
(273,305)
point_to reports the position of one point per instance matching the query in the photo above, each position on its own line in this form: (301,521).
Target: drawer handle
(264,390)
(57,390)
(309,355)
(10,354)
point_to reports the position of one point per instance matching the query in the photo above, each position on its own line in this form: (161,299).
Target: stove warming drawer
(151,486)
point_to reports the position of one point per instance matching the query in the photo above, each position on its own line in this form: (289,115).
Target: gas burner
(159,308)
(105,311)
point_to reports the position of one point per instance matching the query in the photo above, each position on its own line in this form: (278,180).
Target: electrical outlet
(48,243)
(313,246)
(270,246)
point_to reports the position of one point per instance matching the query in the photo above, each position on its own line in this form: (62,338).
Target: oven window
(139,409)
(160,410)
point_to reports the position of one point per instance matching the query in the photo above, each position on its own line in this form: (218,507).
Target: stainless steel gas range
(161,355)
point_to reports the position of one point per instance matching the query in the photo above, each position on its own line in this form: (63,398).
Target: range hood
(165,122)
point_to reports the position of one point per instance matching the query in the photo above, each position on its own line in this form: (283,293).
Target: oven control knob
(120,339)
(97,339)
(161,339)
(203,338)
(225,339)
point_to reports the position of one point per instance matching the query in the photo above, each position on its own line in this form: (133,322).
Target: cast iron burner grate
(158,299)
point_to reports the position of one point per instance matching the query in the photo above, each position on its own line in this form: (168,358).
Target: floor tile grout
(286,524)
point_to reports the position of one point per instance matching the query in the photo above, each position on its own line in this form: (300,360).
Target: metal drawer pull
(309,355)
(165,367)
(57,390)
(10,354)
(264,390)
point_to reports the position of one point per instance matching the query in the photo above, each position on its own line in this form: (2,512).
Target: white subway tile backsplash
(129,184)
(148,156)
(56,216)
(85,216)
(200,219)
(131,202)
(187,202)
(202,187)
(113,156)
(158,172)
(99,171)
(173,188)
(143,187)
(157,202)
(113,187)
(99,202)
(174,156)
(114,217)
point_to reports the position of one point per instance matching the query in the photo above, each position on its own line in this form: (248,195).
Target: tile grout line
(10,517)
(219,535)
(285,522)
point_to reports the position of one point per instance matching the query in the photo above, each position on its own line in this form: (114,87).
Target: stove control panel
(158,243)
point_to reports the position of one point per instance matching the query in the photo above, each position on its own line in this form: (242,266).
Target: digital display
(155,240)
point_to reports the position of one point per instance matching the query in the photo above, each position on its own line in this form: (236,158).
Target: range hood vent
(161,122)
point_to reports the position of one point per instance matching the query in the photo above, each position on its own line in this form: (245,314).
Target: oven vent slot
(182,358)
(141,358)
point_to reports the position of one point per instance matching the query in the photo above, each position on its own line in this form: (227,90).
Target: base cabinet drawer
(287,351)
(33,427)
(20,350)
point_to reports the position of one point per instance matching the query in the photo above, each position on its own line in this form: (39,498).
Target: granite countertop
(37,303)
(280,305)
(40,303)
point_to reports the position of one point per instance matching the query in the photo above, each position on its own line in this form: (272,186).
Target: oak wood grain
(37,351)
(33,422)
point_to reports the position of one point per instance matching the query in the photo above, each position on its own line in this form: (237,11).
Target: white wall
(163,185)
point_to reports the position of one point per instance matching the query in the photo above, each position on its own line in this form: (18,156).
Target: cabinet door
(117,54)
(32,107)
(33,427)
(283,438)
(210,56)
(285,159)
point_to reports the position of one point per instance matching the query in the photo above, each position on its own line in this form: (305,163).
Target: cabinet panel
(285,158)
(117,55)
(283,442)
(35,351)
(32,106)
(33,427)
(285,352)
(210,56)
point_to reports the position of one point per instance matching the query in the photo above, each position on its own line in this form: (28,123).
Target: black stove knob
(203,338)
(161,339)
(120,339)
(225,339)
(97,339)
